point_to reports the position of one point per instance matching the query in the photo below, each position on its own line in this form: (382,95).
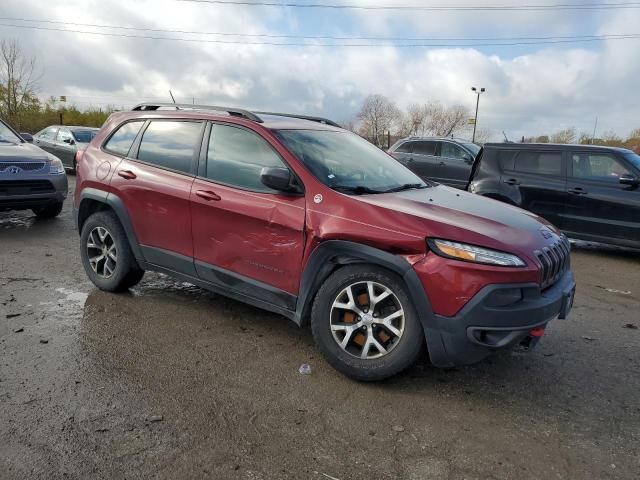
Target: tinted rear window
(121,141)
(424,148)
(170,144)
(543,163)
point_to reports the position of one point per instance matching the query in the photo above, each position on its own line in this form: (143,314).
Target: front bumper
(495,319)
(18,198)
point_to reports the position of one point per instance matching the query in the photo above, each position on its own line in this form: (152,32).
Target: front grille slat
(555,261)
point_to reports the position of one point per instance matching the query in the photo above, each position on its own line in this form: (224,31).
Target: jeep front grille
(555,260)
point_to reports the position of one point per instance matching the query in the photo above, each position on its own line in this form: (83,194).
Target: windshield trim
(16,134)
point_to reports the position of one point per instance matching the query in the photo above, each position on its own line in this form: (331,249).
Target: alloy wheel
(102,252)
(367,320)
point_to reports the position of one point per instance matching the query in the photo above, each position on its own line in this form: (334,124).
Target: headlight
(55,165)
(471,253)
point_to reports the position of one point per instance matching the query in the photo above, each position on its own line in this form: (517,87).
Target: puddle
(12,222)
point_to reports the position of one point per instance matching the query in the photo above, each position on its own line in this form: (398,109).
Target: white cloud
(532,93)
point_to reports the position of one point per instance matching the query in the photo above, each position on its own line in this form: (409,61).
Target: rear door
(536,180)
(456,165)
(598,205)
(154,183)
(246,236)
(425,161)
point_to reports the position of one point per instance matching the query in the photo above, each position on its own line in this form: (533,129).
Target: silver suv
(443,160)
(30,178)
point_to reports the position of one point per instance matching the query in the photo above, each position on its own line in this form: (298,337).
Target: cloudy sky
(531,88)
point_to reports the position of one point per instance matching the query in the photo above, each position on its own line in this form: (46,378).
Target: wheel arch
(331,255)
(93,200)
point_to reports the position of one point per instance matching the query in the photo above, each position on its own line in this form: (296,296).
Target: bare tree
(568,135)
(444,121)
(18,81)
(484,135)
(377,115)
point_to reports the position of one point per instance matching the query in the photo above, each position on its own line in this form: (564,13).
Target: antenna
(174,100)
(506,139)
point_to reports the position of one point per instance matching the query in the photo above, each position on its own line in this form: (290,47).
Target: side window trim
(204,154)
(135,146)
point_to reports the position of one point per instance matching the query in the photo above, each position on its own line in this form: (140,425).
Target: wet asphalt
(170,381)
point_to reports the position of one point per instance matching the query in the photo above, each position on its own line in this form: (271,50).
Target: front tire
(50,210)
(106,255)
(365,324)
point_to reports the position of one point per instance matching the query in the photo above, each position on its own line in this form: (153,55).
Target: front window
(84,136)
(346,162)
(7,136)
(634,158)
(473,148)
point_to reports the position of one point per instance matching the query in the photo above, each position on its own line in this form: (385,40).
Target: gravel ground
(170,381)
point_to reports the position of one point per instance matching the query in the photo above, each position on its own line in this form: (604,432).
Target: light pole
(475,121)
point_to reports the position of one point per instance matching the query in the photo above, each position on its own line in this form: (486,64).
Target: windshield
(7,136)
(633,158)
(83,136)
(345,161)
(472,147)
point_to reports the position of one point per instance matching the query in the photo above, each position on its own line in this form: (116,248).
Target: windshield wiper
(406,186)
(357,189)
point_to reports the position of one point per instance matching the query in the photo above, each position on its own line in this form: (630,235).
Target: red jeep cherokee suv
(297,216)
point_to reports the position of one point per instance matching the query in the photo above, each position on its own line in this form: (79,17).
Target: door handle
(127,174)
(208,195)
(577,191)
(442,164)
(512,181)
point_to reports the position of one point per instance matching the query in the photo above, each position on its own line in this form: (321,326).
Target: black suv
(444,160)
(589,192)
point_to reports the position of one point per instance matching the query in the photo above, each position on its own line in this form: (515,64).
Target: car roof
(552,146)
(450,139)
(78,127)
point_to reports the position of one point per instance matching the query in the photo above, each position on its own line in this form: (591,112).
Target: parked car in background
(300,217)
(30,178)
(443,160)
(589,192)
(64,142)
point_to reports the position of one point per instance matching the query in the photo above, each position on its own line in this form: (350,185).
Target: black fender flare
(332,254)
(115,203)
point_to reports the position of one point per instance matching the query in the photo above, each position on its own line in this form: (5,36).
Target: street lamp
(475,121)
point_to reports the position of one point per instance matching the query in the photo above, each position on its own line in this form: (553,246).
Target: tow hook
(530,341)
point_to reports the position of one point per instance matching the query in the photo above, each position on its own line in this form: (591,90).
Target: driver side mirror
(27,137)
(70,141)
(280,179)
(628,179)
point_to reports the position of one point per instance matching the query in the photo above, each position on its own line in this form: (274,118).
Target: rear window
(543,163)
(506,159)
(170,144)
(424,148)
(121,141)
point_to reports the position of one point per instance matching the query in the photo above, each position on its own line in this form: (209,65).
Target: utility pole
(475,122)
(594,131)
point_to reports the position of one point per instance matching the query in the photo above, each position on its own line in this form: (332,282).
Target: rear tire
(106,254)
(50,210)
(383,330)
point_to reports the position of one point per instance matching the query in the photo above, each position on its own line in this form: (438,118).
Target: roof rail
(326,121)
(234,112)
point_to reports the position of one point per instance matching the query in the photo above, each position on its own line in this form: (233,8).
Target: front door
(154,183)
(246,236)
(457,165)
(599,206)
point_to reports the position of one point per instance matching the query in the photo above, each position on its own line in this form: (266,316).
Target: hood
(465,217)
(22,152)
